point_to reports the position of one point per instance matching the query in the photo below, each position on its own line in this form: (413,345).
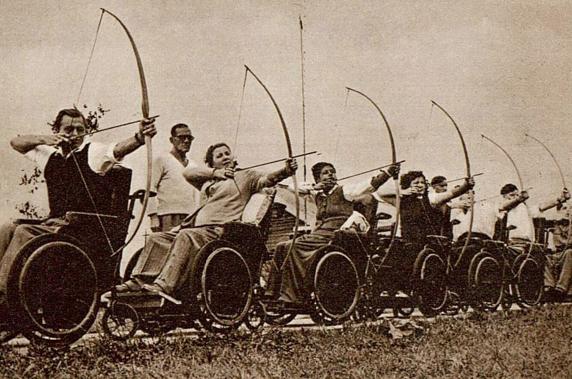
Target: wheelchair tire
(485,282)
(120,321)
(58,294)
(336,287)
(430,287)
(227,287)
(529,281)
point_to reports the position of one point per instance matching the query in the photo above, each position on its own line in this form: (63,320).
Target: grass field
(534,343)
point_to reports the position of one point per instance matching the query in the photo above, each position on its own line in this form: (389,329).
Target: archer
(74,169)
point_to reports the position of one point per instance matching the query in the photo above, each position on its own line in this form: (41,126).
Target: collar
(76,150)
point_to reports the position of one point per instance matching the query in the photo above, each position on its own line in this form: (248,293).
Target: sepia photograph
(271,189)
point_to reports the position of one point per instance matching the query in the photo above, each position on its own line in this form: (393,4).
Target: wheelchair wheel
(529,282)
(120,321)
(430,282)
(226,287)
(485,282)
(58,294)
(336,287)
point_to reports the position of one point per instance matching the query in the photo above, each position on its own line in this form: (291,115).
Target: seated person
(517,215)
(420,214)
(74,170)
(335,204)
(485,216)
(225,192)
(558,269)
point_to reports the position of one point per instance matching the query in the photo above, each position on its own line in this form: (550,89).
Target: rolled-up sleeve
(352,191)
(101,158)
(40,155)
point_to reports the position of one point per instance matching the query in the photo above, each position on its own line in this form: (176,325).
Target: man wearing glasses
(175,199)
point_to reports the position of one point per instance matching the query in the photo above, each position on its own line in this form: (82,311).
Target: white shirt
(484,219)
(174,193)
(99,157)
(521,217)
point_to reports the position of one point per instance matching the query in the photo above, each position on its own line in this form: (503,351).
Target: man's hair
(438,180)
(317,169)
(72,112)
(178,126)
(508,188)
(209,158)
(406,179)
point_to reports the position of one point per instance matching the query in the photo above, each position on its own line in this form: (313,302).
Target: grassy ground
(535,343)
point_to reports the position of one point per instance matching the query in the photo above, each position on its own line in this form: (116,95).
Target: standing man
(175,199)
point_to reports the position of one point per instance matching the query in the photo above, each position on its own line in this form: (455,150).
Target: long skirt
(297,264)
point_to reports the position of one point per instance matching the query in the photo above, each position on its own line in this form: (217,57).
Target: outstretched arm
(439,199)
(510,204)
(564,197)
(129,145)
(273,178)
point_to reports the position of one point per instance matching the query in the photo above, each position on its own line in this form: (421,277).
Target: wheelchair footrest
(140,300)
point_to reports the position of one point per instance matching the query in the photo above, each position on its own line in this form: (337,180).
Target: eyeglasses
(185,138)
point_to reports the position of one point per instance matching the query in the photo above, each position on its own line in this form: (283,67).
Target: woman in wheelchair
(168,257)
(335,204)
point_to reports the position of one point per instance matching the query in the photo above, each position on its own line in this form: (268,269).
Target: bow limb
(467,172)
(553,158)
(145,112)
(290,156)
(520,182)
(562,179)
(393,161)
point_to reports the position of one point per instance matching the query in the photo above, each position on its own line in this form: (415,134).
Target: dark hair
(508,188)
(317,169)
(178,126)
(407,178)
(438,179)
(72,112)
(210,151)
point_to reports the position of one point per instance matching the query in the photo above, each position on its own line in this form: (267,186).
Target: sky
(500,68)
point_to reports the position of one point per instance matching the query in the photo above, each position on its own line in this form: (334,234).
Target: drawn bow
(393,161)
(467,172)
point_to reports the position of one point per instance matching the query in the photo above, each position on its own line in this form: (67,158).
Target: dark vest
(419,219)
(66,189)
(333,209)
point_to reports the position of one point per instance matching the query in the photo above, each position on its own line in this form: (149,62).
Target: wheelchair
(359,275)
(475,278)
(524,268)
(222,292)
(55,282)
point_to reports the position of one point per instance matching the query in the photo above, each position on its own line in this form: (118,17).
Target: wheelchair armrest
(28,221)
(82,217)
(140,195)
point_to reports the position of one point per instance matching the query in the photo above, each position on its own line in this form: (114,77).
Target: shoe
(154,288)
(131,285)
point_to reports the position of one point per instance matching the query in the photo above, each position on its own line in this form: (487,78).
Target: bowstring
(74,158)
(234,148)
(90,58)
(90,195)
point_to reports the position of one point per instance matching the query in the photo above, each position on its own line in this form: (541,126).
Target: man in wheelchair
(75,172)
(169,258)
